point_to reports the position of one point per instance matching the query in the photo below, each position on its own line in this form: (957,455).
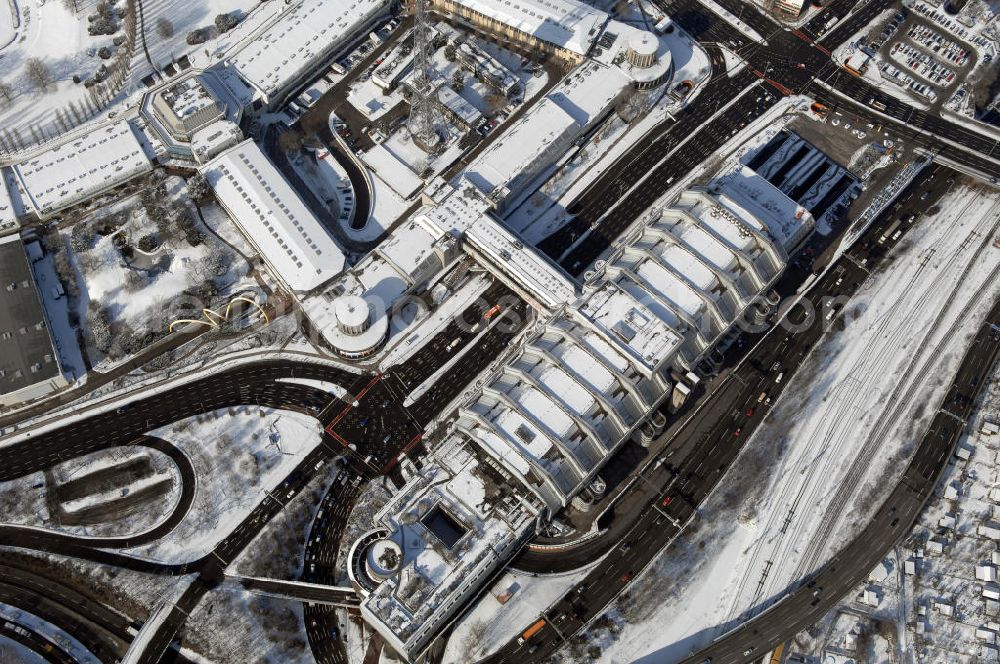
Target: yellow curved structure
(212,318)
(190,320)
(241,298)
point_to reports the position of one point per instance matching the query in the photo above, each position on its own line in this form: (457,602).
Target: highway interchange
(701,451)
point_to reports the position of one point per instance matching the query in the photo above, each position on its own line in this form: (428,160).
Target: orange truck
(531,631)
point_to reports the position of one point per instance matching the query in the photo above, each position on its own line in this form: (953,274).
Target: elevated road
(301,590)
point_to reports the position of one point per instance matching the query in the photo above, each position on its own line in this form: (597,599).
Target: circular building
(642,46)
(647,58)
(359,332)
(383,560)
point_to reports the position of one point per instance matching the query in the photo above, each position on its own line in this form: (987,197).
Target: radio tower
(422,109)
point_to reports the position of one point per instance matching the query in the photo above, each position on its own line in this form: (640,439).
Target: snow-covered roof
(393,171)
(567,24)
(215,137)
(536,138)
(588,91)
(559,409)
(189,97)
(8,213)
(643,42)
(457,104)
(532,269)
(273,217)
(733,228)
(648,339)
(77,170)
(295,43)
(455,209)
(409,248)
(438,574)
(379,279)
(749,195)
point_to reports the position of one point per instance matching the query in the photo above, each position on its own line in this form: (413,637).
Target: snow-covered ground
(234,625)
(48,31)
(185,16)
(492,623)
(278,551)
(932,569)
(144,294)
(239,454)
(32,500)
(219,222)
(849,421)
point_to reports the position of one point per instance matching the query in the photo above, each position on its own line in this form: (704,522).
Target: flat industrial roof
(530,137)
(26,352)
(74,171)
(565,23)
(273,216)
(8,213)
(292,45)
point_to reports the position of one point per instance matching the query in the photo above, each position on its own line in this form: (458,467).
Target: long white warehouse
(302,42)
(275,220)
(82,168)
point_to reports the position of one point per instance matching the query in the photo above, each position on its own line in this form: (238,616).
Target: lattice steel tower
(423,112)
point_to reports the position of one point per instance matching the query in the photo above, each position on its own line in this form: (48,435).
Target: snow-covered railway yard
(934,598)
(835,444)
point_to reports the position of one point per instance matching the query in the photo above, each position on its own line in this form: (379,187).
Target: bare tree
(38,73)
(6,92)
(495,100)
(71,6)
(291,140)
(164,28)
(985,84)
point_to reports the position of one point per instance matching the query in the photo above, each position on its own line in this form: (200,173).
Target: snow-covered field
(50,32)
(850,420)
(234,625)
(31,500)
(9,23)
(184,17)
(239,454)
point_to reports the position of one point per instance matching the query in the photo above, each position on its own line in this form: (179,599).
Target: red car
(626,577)
(736,434)
(666,501)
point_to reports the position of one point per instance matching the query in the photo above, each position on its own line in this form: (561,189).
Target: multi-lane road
(375,430)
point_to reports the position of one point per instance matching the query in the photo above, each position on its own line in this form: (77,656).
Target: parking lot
(923,52)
